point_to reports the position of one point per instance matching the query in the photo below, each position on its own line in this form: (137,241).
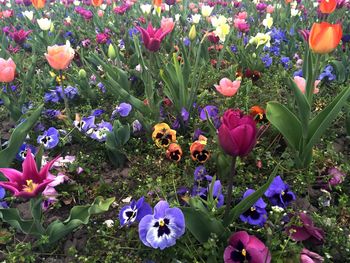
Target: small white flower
(277,209)
(146,9)
(44,24)
(196,18)
(28,14)
(109,223)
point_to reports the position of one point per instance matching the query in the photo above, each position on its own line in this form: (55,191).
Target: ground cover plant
(174,131)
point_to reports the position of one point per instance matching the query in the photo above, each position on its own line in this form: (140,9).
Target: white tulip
(44,23)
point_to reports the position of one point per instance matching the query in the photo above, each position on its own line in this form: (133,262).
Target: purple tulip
(237,133)
(246,248)
(152,37)
(307,256)
(307,231)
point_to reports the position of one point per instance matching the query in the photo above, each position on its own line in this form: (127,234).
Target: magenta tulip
(153,37)
(237,133)
(307,256)
(30,182)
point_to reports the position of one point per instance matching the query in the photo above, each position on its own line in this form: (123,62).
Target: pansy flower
(123,110)
(174,152)
(100,133)
(258,114)
(279,193)
(256,215)
(85,124)
(22,153)
(161,229)
(246,248)
(50,138)
(198,151)
(134,212)
(162,135)
(201,174)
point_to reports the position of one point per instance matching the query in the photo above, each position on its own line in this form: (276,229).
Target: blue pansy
(163,228)
(134,212)
(22,153)
(50,138)
(279,193)
(255,215)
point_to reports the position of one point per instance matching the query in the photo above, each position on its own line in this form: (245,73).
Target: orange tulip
(324,37)
(288,1)
(328,6)
(38,4)
(96,2)
(59,57)
(157,2)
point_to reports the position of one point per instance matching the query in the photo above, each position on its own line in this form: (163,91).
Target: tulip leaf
(323,120)
(78,215)
(286,122)
(340,70)
(12,217)
(248,202)
(17,138)
(303,105)
(201,225)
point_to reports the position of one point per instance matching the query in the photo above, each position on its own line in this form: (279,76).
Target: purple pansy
(161,229)
(279,193)
(213,114)
(135,211)
(86,124)
(200,174)
(123,109)
(50,138)
(100,133)
(256,215)
(136,126)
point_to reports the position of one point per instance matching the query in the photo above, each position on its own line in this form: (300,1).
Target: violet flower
(307,256)
(256,215)
(246,248)
(161,229)
(123,109)
(134,212)
(100,133)
(23,150)
(50,138)
(337,177)
(86,124)
(307,231)
(279,193)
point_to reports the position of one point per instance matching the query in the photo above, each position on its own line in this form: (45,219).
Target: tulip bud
(111,52)
(82,73)
(193,33)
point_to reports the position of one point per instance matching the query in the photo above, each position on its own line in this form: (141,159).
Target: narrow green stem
(66,104)
(230,186)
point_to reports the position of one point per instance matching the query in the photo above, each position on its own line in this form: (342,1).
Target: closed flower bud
(111,52)
(193,33)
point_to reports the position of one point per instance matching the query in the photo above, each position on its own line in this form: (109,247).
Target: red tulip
(237,133)
(30,182)
(328,6)
(324,37)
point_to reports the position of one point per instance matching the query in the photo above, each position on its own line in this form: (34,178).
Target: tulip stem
(230,186)
(66,104)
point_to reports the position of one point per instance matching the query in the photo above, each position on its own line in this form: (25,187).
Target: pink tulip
(7,70)
(242,15)
(100,13)
(307,256)
(301,83)
(227,87)
(167,24)
(270,9)
(152,37)
(30,182)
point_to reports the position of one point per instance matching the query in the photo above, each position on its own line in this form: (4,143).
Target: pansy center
(161,222)
(282,193)
(29,186)
(244,252)
(252,208)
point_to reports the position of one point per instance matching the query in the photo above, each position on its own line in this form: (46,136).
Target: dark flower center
(201,156)
(162,226)
(131,215)
(287,197)
(252,213)
(45,140)
(176,155)
(240,254)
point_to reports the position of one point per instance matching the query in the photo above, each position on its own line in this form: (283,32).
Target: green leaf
(340,70)
(201,225)
(323,120)
(78,215)
(17,138)
(303,106)
(248,202)
(286,122)
(12,217)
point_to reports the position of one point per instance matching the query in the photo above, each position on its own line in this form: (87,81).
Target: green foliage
(115,142)
(17,138)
